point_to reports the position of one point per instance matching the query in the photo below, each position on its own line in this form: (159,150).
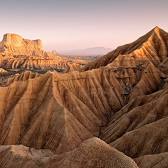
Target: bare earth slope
(91,153)
(152,45)
(120,98)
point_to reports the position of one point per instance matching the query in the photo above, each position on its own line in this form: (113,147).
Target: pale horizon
(69,25)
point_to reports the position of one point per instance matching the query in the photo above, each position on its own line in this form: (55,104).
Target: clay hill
(113,113)
(18,54)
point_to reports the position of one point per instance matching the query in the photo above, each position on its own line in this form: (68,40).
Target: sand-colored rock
(121,98)
(150,161)
(152,46)
(23,157)
(19,53)
(13,44)
(56,98)
(92,153)
(139,129)
(2,71)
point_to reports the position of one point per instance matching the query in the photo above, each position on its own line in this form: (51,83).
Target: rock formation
(120,98)
(91,153)
(13,44)
(22,54)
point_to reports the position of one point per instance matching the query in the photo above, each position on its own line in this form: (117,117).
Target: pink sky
(64,25)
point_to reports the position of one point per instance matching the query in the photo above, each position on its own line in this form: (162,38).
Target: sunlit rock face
(17,53)
(14,44)
(111,112)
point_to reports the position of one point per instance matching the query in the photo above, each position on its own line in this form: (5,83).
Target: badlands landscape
(57,112)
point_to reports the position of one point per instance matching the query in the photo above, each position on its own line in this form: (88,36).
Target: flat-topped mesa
(18,41)
(12,39)
(19,53)
(14,44)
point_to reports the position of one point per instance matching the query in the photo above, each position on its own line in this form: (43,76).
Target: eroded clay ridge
(152,46)
(17,53)
(90,153)
(123,102)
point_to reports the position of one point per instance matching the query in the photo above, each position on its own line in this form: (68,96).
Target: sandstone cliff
(23,54)
(13,44)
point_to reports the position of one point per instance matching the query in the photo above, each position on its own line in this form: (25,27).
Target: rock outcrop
(17,53)
(13,45)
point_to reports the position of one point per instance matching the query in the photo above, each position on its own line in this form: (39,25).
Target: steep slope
(152,45)
(122,100)
(56,98)
(149,161)
(92,153)
(133,129)
(139,129)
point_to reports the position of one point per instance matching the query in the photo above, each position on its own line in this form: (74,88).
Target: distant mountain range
(94,51)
